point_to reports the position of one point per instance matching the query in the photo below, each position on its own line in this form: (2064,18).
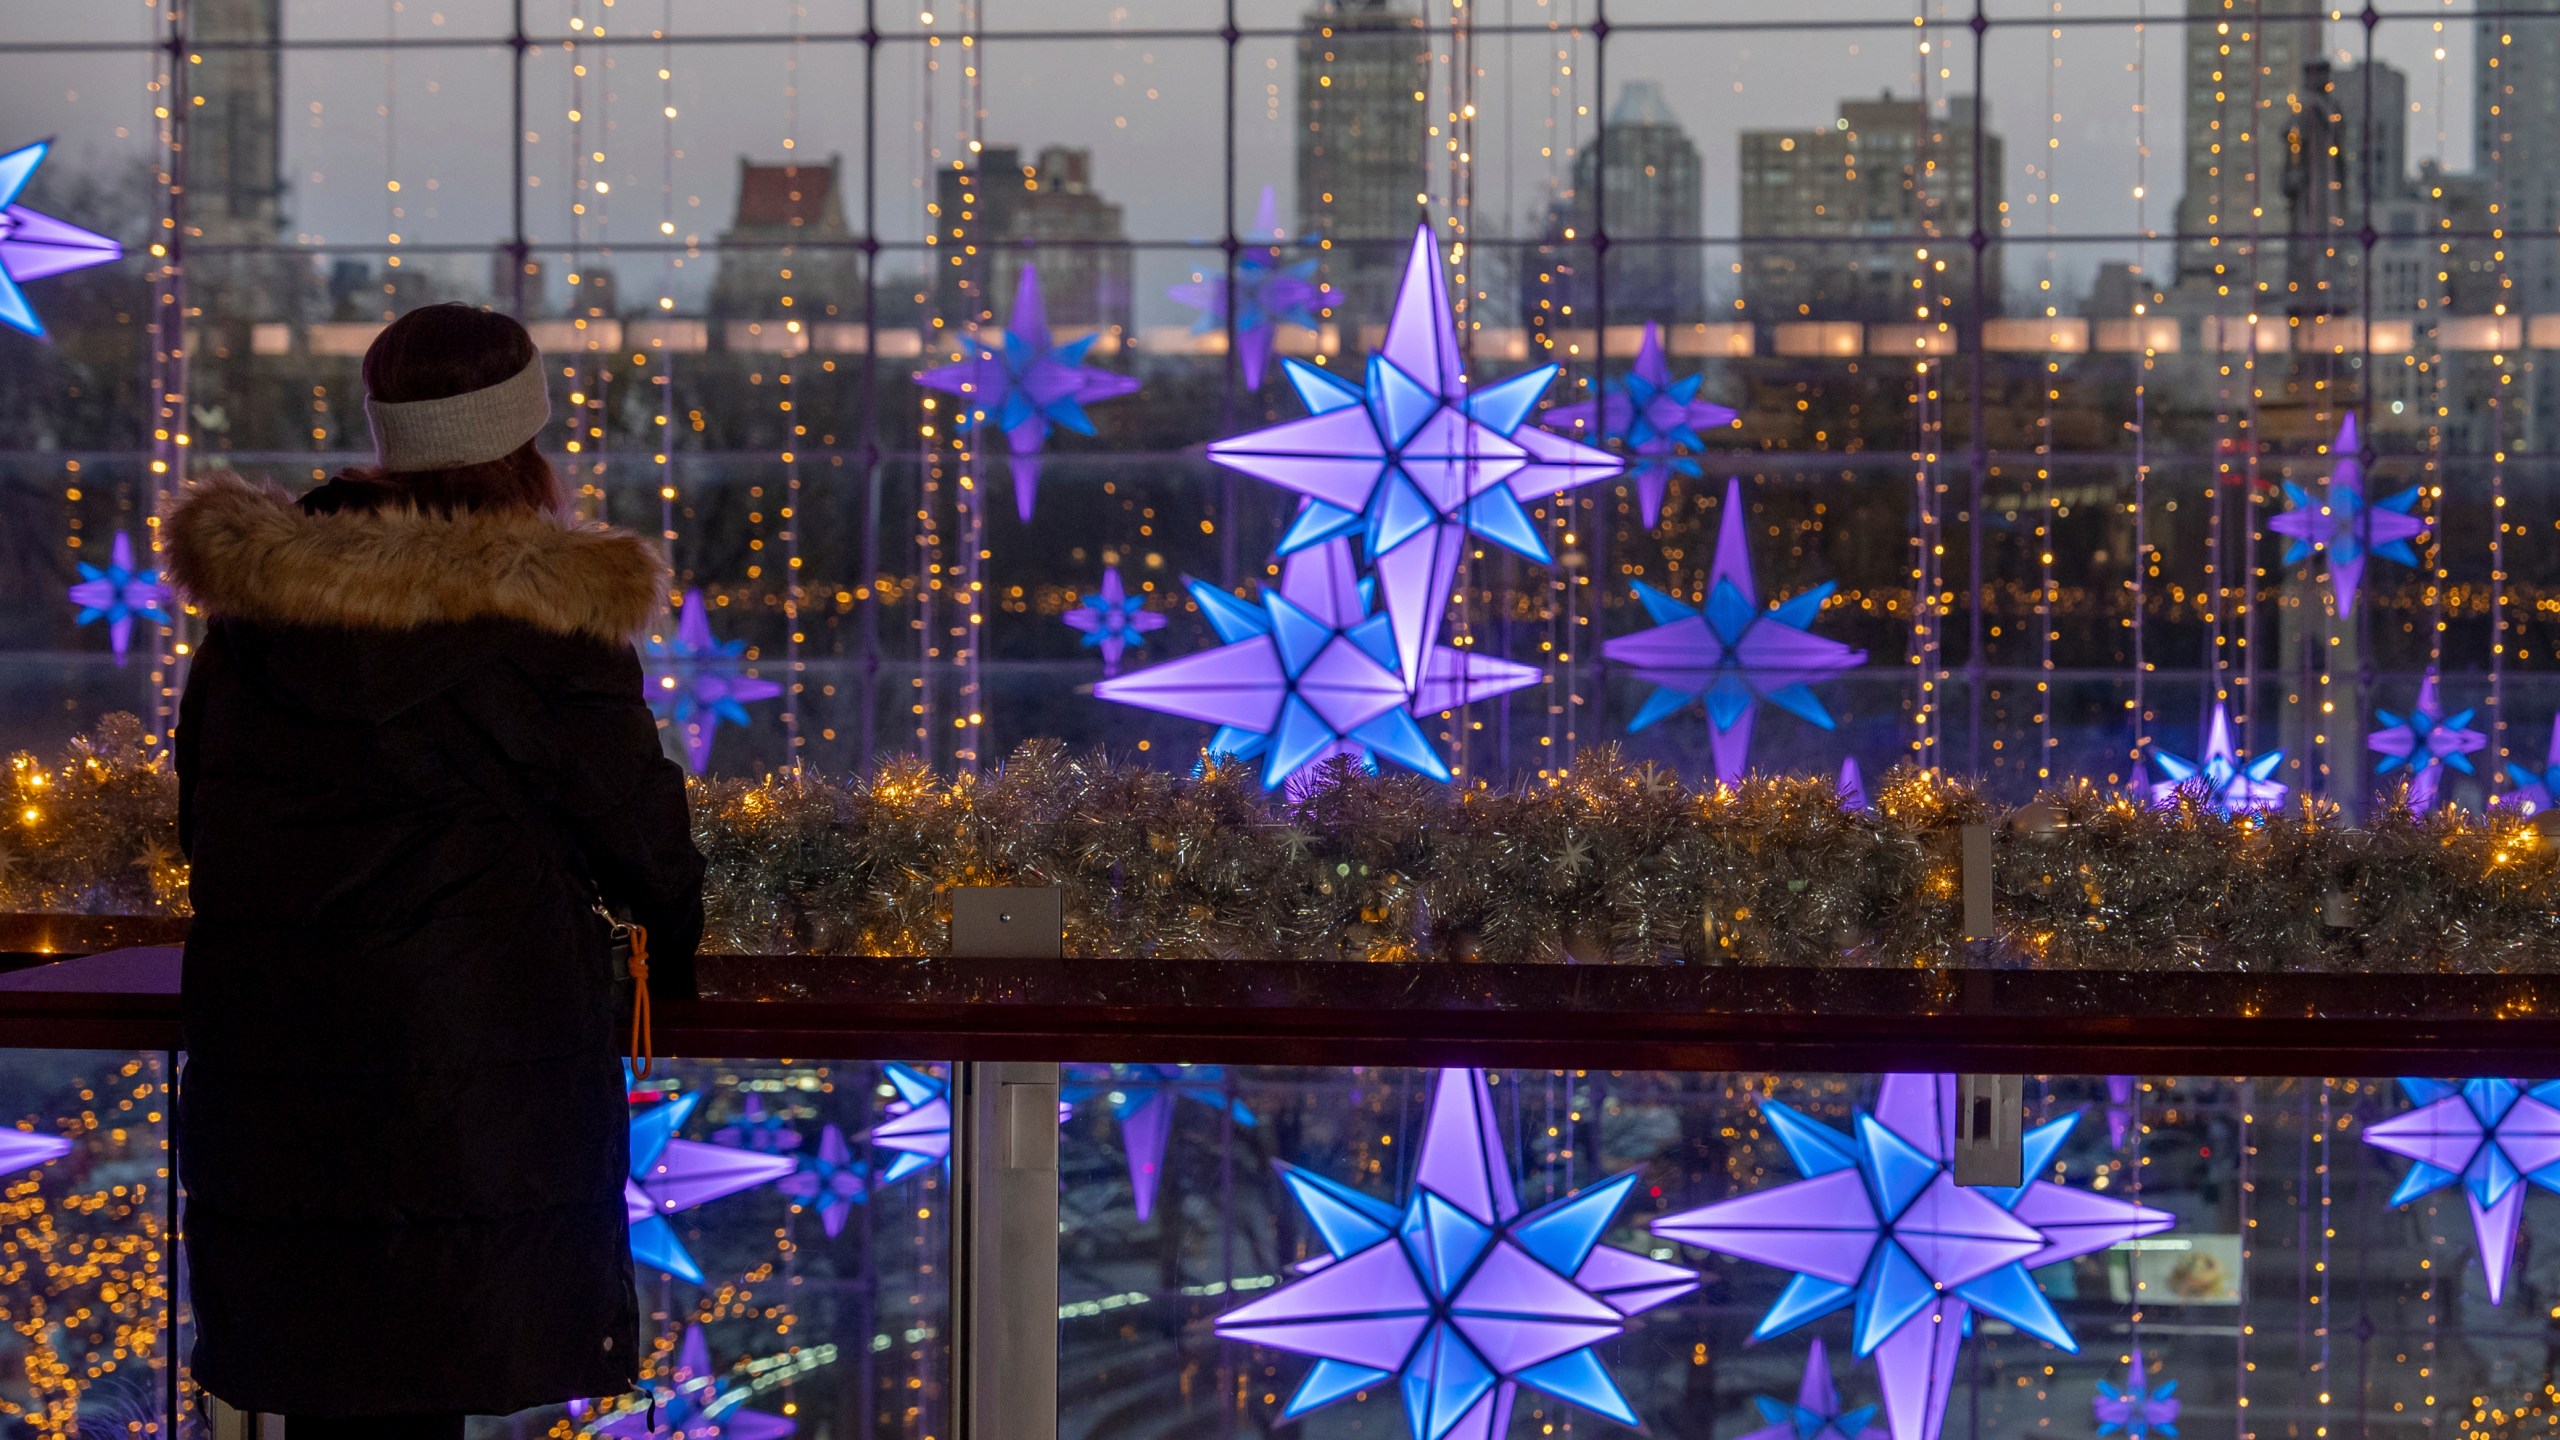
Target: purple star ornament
(2346,525)
(757,1128)
(1310,674)
(1816,1415)
(695,682)
(33,246)
(1027,388)
(1732,655)
(668,1175)
(119,594)
(2230,787)
(2120,1110)
(2534,788)
(831,1180)
(1457,1297)
(1879,1226)
(1852,785)
(1268,293)
(1413,461)
(1143,1098)
(25,1150)
(2426,742)
(2489,1136)
(1653,417)
(919,1123)
(2136,1410)
(1113,620)
(687,1403)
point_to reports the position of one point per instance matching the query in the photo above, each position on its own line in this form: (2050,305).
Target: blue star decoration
(919,1124)
(34,245)
(697,681)
(2137,1410)
(2227,785)
(1457,1296)
(1817,1414)
(2491,1137)
(1029,388)
(1879,1226)
(1143,1098)
(668,1175)
(119,594)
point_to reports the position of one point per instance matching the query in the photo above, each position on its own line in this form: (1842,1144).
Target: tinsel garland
(1616,863)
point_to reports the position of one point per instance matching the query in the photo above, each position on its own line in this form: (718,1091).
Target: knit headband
(465,429)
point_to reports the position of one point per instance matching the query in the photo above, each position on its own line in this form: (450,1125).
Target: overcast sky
(437,121)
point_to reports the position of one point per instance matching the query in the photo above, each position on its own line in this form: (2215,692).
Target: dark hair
(436,352)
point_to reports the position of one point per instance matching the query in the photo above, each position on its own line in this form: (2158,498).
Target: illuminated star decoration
(1732,654)
(831,1180)
(1457,1295)
(1268,294)
(1816,1415)
(1143,1097)
(668,1175)
(2119,1109)
(119,594)
(2135,1409)
(765,1131)
(696,682)
(1654,416)
(33,246)
(1413,462)
(2345,524)
(919,1123)
(2534,788)
(1028,388)
(2230,788)
(1852,785)
(1879,1224)
(2490,1136)
(688,1404)
(22,1150)
(2426,742)
(1113,620)
(1310,674)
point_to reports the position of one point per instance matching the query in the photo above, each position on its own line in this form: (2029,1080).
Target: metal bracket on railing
(1990,1118)
(1004,1243)
(226,1423)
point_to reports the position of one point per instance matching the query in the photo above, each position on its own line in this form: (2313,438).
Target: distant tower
(235,153)
(1653,190)
(787,243)
(1363,68)
(2244,84)
(1008,214)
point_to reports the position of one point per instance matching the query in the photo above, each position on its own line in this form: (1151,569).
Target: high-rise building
(1644,178)
(1363,72)
(1005,214)
(2244,85)
(784,255)
(2515,118)
(2347,169)
(1814,203)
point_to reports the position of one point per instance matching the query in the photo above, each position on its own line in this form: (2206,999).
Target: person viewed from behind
(414,769)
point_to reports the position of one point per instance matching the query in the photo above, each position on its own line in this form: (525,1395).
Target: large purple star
(1143,1098)
(119,594)
(1458,1296)
(2230,788)
(1113,620)
(1414,462)
(1878,1223)
(687,1403)
(1027,388)
(696,682)
(1731,654)
(2426,742)
(1268,294)
(1816,1415)
(1310,674)
(2534,788)
(668,1175)
(2345,524)
(2136,1410)
(1654,416)
(2490,1136)
(33,246)
(24,1150)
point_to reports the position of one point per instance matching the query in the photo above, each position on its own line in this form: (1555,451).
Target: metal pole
(1004,1242)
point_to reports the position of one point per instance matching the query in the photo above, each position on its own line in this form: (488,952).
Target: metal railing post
(1004,1241)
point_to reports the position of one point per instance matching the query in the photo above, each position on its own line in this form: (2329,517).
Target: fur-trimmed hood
(250,552)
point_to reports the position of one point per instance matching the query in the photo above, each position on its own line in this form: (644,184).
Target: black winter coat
(412,753)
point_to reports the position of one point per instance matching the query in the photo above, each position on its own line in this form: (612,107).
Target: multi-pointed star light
(1816,1415)
(1852,785)
(2345,524)
(2534,788)
(2230,787)
(1655,417)
(1310,674)
(2490,1137)
(1113,620)
(1413,462)
(668,1175)
(831,1180)
(2426,742)
(1878,1225)
(119,594)
(919,1124)
(1027,387)
(696,681)
(687,1403)
(1457,1296)
(1268,292)
(1732,655)
(33,246)
(2137,1410)
(23,1150)
(759,1128)
(1143,1099)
